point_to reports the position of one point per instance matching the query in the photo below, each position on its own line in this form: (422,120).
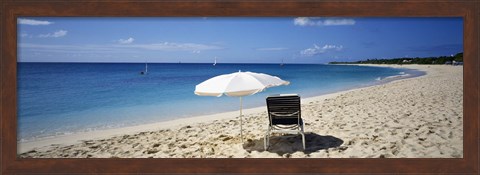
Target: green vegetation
(427,60)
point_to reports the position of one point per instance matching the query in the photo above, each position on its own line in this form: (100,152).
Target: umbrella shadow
(288,144)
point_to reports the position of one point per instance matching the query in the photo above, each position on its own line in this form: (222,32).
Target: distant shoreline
(456,59)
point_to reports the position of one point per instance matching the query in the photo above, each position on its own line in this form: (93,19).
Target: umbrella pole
(241,129)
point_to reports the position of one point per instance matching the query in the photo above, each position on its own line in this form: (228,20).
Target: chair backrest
(284,109)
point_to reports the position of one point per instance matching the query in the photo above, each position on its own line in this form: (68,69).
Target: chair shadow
(288,144)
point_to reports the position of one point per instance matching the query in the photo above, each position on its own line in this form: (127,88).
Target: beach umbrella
(238,84)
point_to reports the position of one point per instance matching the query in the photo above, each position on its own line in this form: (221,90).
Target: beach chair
(284,116)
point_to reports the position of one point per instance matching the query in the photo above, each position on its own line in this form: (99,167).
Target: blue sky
(234,39)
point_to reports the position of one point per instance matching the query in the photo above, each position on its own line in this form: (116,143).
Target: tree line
(416,60)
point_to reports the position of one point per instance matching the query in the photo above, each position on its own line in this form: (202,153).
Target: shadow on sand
(287,144)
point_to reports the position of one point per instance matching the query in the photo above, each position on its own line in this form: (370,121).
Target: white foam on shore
(393,77)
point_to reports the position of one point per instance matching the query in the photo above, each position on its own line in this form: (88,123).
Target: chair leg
(303,140)
(303,137)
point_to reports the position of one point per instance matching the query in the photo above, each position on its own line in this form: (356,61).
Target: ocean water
(64,98)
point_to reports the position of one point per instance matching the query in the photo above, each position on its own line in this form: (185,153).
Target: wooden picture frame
(11,10)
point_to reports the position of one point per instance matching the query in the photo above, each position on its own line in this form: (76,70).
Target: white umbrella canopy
(238,84)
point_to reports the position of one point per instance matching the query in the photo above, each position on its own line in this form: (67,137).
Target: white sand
(416,118)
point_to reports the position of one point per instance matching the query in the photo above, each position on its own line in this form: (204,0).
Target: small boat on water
(215,63)
(146,70)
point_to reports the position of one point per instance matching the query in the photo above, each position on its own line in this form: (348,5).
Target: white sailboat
(146,70)
(281,64)
(215,63)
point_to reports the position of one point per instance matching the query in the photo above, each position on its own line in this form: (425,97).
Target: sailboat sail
(146,68)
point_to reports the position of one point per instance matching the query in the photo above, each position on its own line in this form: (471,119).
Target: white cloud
(33,22)
(315,50)
(272,49)
(47,48)
(60,33)
(126,41)
(338,22)
(303,21)
(166,46)
(317,21)
(117,48)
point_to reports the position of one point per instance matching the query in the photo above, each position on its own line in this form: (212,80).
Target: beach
(419,117)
